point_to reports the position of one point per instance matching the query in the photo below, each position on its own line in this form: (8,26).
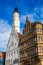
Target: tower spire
(16,9)
(26,17)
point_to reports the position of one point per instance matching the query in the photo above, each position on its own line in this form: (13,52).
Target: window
(7,55)
(40,48)
(39,29)
(16,61)
(38,38)
(11,53)
(9,48)
(15,44)
(14,52)
(12,44)
(11,61)
(17,50)
(42,38)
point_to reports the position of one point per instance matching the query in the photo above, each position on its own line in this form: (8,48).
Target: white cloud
(37,14)
(39,10)
(5,30)
(30,17)
(42,12)
(23,18)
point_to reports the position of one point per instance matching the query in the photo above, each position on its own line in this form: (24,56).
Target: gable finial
(26,18)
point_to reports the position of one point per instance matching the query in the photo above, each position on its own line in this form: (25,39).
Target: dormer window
(12,44)
(15,44)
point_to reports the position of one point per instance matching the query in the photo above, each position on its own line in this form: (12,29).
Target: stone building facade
(31,44)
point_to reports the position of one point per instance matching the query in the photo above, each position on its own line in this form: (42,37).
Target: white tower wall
(16,21)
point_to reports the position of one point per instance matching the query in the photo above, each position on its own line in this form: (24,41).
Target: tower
(12,54)
(16,20)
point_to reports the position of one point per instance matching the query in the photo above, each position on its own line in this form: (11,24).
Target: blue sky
(31,8)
